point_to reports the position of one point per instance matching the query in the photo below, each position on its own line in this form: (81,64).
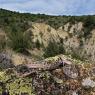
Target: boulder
(70,71)
(5,61)
(87,82)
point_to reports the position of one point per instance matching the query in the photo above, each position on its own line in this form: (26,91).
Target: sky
(51,7)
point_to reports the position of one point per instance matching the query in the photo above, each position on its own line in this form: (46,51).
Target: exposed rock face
(5,61)
(72,36)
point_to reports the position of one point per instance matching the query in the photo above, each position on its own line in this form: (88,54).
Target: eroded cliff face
(72,36)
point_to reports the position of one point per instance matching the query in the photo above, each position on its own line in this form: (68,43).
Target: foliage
(9,18)
(37,44)
(19,42)
(2,43)
(61,49)
(15,85)
(15,24)
(53,49)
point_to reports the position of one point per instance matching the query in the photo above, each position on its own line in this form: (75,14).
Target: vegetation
(19,42)
(37,44)
(9,18)
(15,24)
(14,84)
(53,49)
(2,43)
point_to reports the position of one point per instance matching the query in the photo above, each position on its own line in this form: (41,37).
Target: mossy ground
(15,85)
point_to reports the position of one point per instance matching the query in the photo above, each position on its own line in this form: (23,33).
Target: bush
(37,44)
(89,24)
(19,42)
(61,49)
(53,49)
(2,43)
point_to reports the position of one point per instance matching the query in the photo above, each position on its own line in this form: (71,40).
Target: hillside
(24,32)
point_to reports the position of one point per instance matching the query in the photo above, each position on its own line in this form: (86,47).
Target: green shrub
(61,49)
(53,49)
(37,44)
(2,43)
(19,42)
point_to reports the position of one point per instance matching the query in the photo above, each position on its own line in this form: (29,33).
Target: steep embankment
(70,35)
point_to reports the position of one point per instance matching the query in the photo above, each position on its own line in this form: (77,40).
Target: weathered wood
(46,66)
(43,66)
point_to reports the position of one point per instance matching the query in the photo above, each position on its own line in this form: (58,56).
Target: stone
(58,80)
(92,72)
(70,71)
(88,82)
(5,61)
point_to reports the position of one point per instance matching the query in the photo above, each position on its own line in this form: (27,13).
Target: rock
(71,93)
(92,72)
(22,69)
(88,82)
(5,61)
(70,71)
(74,93)
(58,80)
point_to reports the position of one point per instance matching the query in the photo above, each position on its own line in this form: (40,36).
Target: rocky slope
(77,78)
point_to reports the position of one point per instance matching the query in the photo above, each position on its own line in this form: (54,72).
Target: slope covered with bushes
(25,31)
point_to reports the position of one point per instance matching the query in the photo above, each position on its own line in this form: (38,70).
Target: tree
(37,44)
(2,43)
(53,49)
(61,49)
